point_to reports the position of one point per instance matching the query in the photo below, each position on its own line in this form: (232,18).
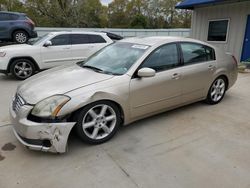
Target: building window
(217,30)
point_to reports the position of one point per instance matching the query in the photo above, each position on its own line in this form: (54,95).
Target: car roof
(8,12)
(78,32)
(158,40)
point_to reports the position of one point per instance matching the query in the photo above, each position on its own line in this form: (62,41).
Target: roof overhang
(191,4)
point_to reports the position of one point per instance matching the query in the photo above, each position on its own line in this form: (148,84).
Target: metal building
(223,23)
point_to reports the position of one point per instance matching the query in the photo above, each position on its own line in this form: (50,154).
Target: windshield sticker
(143,47)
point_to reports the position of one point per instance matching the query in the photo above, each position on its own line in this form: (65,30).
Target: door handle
(176,76)
(211,67)
(66,48)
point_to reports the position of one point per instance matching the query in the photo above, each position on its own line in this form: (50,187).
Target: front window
(61,40)
(217,30)
(164,58)
(116,58)
(39,39)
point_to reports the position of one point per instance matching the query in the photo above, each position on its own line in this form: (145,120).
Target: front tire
(20,37)
(217,91)
(98,122)
(22,69)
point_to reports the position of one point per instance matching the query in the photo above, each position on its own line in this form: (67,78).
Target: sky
(106,2)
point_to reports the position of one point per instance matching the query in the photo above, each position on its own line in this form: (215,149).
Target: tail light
(30,22)
(235,60)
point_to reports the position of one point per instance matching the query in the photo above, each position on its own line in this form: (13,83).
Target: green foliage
(91,13)
(139,22)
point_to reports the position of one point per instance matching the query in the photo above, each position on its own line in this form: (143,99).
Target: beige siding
(236,12)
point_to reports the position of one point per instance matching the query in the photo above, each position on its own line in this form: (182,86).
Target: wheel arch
(22,57)
(226,79)
(75,112)
(19,29)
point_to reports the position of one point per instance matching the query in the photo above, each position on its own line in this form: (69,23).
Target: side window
(96,39)
(79,39)
(14,17)
(210,53)
(5,17)
(60,40)
(193,53)
(164,58)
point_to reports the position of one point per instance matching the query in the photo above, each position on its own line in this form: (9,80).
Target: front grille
(17,103)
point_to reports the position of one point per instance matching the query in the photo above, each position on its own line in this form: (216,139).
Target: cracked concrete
(191,147)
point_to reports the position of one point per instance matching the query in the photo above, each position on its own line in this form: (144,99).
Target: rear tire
(98,122)
(22,69)
(20,37)
(217,91)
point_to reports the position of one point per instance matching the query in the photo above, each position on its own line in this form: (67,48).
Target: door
(84,45)
(199,66)
(5,25)
(149,95)
(246,45)
(59,53)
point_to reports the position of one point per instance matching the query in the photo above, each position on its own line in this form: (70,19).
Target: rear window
(79,39)
(14,17)
(96,39)
(195,53)
(210,53)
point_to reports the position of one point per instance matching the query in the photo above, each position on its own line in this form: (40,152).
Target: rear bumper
(49,137)
(33,34)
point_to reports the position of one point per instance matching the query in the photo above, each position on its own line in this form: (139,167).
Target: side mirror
(146,72)
(47,43)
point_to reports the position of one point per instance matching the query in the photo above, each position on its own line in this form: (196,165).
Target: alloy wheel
(99,122)
(23,69)
(218,89)
(21,37)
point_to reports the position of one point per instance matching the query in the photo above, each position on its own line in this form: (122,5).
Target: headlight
(50,106)
(2,54)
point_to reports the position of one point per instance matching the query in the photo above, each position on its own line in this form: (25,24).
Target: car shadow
(4,77)
(75,142)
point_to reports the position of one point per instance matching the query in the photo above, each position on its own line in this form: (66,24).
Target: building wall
(236,12)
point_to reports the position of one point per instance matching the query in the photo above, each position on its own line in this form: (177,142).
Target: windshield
(38,39)
(116,58)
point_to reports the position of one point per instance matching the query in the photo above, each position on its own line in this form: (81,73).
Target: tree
(117,14)
(139,22)
(91,13)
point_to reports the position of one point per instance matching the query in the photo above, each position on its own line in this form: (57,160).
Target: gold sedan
(124,82)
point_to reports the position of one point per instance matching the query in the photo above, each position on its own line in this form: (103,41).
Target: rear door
(198,70)
(5,25)
(59,53)
(84,45)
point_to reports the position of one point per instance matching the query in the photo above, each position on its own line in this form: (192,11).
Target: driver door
(59,53)
(153,94)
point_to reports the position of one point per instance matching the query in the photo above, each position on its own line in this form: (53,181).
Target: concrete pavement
(194,146)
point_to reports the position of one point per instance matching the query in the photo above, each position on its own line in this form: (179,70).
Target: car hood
(16,46)
(59,80)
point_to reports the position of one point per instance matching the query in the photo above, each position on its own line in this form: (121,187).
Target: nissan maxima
(123,82)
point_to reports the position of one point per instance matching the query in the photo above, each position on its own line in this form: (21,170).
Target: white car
(53,49)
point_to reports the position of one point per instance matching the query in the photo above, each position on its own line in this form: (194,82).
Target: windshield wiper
(99,70)
(92,68)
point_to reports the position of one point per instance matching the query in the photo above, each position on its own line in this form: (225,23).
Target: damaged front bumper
(49,137)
